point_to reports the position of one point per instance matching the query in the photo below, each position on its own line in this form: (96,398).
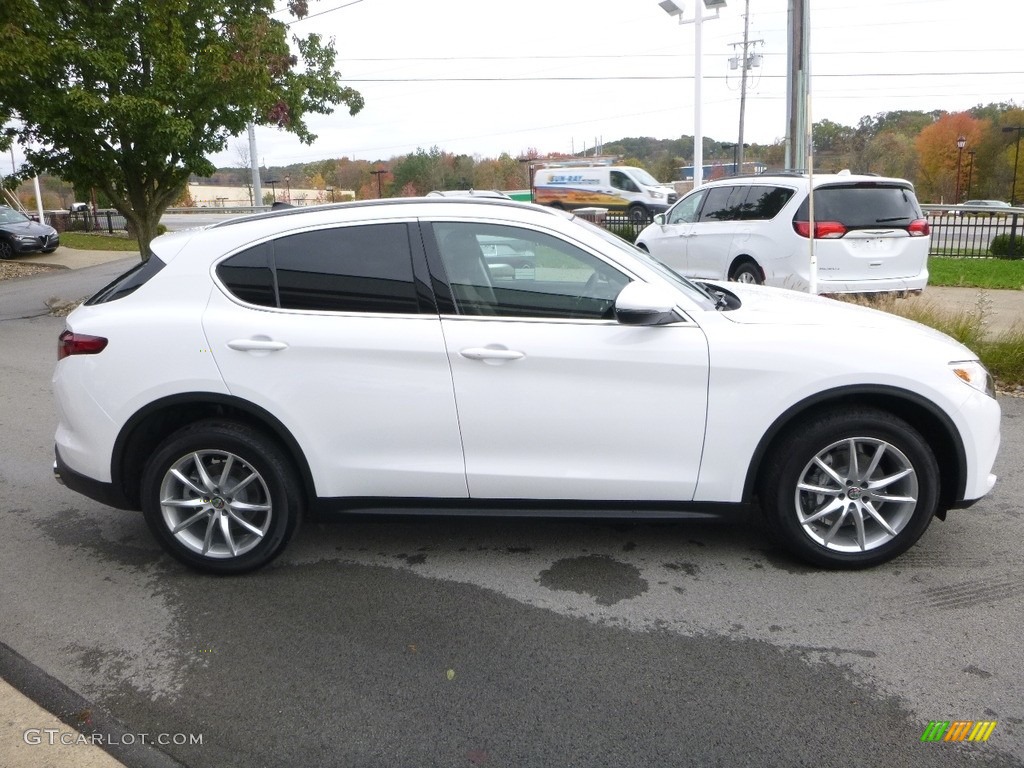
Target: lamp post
(735,156)
(698,136)
(287,189)
(961,142)
(1016,158)
(970,170)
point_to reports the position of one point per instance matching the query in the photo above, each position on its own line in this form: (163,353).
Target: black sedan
(19,234)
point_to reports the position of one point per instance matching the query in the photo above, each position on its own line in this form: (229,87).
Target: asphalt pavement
(483,642)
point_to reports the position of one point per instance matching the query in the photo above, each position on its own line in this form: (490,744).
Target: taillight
(79,344)
(822,229)
(919,228)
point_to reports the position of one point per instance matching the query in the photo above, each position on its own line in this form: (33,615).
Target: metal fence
(109,221)
(975,231)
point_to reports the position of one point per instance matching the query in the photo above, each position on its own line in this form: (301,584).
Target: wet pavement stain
(601,577)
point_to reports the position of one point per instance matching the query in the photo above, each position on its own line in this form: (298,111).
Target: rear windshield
(864,205)
(129,282)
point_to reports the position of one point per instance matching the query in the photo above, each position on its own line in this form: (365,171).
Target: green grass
(86,241)
(977,273)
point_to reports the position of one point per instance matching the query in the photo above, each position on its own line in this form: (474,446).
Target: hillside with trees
(919,146)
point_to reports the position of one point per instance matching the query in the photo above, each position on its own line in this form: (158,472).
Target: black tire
(747,272)
(259,515)
(885,446)
(6,249)
(638,214)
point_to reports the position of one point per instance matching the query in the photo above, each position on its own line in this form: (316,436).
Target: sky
(483,77)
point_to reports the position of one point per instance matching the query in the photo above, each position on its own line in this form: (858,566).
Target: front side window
(623,182)
(554,279)
(687,209)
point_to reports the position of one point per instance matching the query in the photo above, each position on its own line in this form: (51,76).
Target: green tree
(132,96)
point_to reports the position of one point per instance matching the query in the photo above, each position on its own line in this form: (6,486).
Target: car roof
(820,179)
(237,232)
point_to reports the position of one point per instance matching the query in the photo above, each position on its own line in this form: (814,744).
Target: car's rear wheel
(220,497)
(747,272)
(851,489)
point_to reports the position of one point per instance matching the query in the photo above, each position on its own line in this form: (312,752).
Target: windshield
(11,216)
(645,178)
(692,290)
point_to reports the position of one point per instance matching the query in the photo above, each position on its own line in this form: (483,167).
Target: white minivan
(870,234)
(620,188)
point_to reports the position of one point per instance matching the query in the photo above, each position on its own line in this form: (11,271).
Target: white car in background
(363,356)
(870,235)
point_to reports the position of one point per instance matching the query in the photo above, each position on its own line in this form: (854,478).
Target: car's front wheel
(850,489)
(220,497)
(6,249)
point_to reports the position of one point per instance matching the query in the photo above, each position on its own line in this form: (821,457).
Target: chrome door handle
(490,353)
(257,345)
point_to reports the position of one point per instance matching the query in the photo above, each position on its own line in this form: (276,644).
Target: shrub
(1000,246)
(625,231)
(161,229)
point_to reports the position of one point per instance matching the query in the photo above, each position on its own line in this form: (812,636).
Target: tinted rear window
(864,205)
(129,282)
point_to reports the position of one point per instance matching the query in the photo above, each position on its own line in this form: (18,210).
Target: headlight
(974,373)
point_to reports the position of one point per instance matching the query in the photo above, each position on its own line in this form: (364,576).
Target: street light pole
(1016,160)
(970,170)
(961,142)
(698,16)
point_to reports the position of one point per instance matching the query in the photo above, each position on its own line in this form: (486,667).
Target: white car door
(668,242)
(557,400)
(327,331)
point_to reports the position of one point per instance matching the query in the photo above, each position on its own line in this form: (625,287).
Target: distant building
(212,196)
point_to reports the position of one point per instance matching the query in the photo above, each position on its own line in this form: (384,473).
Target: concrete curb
(45,723)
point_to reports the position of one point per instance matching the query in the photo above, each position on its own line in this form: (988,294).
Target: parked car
(870,234)
(998,208)
(19,234)
(468,193)
(360,357)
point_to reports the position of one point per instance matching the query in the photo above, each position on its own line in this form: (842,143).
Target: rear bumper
(104,493)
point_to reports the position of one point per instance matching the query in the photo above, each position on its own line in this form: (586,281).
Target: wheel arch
(151,425)
(744,258)
(934,425)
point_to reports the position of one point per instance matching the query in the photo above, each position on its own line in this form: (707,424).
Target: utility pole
(378,174)
(798,83)
(746,61)
(254,166)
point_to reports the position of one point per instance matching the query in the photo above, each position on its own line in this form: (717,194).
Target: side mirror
(659,218)
(645,304)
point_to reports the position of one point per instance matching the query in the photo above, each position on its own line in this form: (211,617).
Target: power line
(631,78)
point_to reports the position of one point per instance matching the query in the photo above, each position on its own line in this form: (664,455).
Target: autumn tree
(938,155)
(132,96)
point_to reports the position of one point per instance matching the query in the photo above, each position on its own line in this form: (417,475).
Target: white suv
(367,356)
(869,233)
